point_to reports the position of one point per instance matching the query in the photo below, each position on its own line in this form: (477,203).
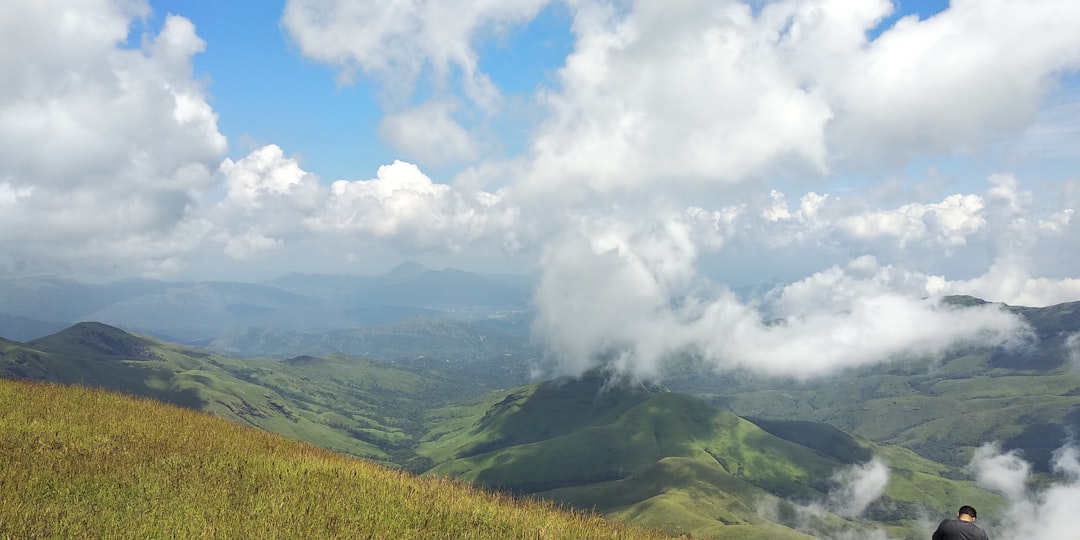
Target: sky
(676,174)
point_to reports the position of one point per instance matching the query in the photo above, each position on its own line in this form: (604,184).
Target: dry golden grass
(78,462)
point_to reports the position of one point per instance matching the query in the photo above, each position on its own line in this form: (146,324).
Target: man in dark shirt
(962,527)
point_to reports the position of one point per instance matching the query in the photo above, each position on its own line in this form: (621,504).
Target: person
(962,527)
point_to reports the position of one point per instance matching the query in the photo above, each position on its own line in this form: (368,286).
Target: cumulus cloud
(629,292)
(1032,513)
(101,144)
(673,132)
(710,95)
(953,79)
(429,134)
(402,203)
(396,41)
(629,296)
(946,224)
(625,285)
(1012,276)
(264,174)
(1001,224)
(396,44)
(684,92)
(272,204)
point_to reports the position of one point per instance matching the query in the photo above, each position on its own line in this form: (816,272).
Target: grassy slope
(668,460)
(932,409)
(547,438)
(89,463)
(347,405)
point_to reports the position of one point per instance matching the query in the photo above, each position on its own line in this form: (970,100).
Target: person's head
(966,513)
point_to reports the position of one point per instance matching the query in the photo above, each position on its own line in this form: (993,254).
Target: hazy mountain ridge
(446,339)
(199,312)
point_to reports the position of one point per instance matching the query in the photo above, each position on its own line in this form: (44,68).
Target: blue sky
(265,91)
(911,146)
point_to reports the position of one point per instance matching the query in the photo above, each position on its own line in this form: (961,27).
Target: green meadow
(82,462)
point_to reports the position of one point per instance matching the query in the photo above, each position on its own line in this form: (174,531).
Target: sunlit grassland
(81,462)
(349,405)
(658,460)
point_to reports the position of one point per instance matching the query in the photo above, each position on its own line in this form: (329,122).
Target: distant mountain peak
(102,339)
(602,380)
(407,269)
(963,300)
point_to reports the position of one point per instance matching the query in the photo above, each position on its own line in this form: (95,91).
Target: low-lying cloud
(1032,513)
(632,298)
(857,487)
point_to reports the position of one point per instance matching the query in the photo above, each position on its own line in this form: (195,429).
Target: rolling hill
(84,463)
(641,454)
(349,405)
(672,461)
(747,458)
(943,408)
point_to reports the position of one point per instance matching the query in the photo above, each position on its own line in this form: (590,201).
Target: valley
(697,451)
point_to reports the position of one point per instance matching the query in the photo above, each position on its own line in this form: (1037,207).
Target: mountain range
(198,313)
(447,393)
(643,454)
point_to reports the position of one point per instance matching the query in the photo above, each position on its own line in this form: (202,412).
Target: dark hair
(967,510)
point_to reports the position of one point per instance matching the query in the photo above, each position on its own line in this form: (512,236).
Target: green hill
(348,405)
(641,453)
(1028,397)
(81,463)
(674,462)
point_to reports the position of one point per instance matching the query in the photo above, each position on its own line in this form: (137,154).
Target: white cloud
(946,224)
(1010,281)
(404,206)
(630,296)
(1032,514)
(429,134)
(395,41)
(406,44)
(1058,222)
(1072,349)
(262,174)
(10,195)
(706,95)
(1004,473)
(954,79)
(683,92)
(250,244)
(100,144)
(273,205)
(766,123)
(860,485)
